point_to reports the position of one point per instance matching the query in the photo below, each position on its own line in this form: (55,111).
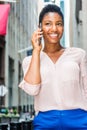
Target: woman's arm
(31,68)
(32,75)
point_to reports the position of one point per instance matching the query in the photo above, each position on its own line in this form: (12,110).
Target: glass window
(46,0)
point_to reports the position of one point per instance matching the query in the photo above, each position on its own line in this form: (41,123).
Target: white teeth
(53,35)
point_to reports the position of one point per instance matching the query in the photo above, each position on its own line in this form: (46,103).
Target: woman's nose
(54,27)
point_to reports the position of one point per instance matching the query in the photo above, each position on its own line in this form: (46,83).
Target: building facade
(78,23)
(2,64)
(22,22)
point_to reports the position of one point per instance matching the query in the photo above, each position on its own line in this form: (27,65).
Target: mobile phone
(40,26)
(40,37)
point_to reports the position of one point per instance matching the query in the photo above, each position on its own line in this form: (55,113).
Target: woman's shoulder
(77,50)
(26,60)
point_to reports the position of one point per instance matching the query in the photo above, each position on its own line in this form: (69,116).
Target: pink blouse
(64,84)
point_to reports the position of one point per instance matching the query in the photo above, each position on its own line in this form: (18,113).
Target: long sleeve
(28,88)
(84,73)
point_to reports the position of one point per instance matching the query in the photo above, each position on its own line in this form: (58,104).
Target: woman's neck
(52,48)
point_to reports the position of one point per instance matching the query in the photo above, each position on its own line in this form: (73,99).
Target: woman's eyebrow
(51,21)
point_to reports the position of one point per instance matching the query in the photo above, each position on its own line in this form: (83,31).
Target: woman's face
(52,26)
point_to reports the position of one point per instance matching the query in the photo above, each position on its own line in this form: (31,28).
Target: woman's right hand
(36,42)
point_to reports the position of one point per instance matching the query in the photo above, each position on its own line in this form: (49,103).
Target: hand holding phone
(36,38)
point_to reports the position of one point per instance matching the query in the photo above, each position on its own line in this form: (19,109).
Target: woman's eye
(47,24)
(60,24)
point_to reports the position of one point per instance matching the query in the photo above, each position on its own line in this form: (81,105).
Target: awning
(4,12)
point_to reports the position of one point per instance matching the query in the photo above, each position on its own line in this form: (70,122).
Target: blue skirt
(75,119)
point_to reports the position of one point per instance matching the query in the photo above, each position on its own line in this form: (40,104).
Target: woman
(56,77)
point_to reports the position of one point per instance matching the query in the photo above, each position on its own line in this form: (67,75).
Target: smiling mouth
(53,35)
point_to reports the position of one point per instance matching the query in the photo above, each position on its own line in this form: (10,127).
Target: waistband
(64,112)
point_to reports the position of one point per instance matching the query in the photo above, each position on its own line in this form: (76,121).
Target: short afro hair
(50,8)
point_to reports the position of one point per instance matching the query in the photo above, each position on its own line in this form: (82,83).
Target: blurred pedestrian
(56,76)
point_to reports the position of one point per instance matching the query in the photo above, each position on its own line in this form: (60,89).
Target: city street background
(16,44)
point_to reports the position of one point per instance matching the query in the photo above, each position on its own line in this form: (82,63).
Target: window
(46,0)
(78,8)
(29,52)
